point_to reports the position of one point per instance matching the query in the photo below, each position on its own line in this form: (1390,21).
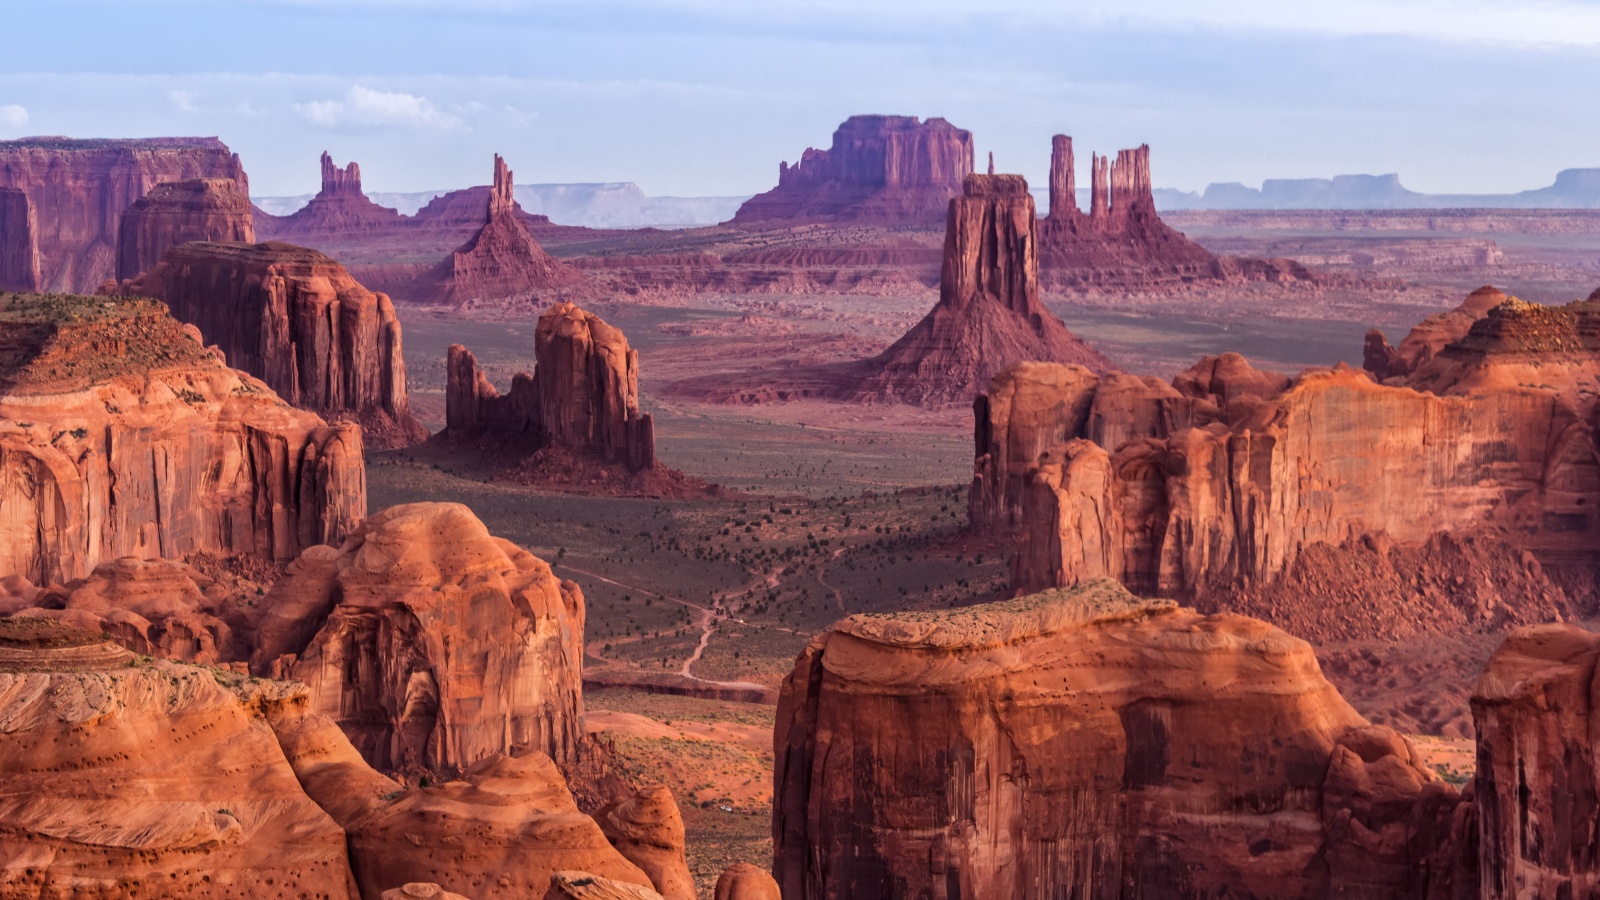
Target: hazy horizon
(705,97)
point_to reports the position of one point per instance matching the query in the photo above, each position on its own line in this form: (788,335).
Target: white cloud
(363,106)
(13,117)
(183,100)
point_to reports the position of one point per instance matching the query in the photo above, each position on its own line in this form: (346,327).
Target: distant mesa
(120,435)
(1572,189)
(78,190)
(886,170)
(501,262)
(177,212)
(298,321)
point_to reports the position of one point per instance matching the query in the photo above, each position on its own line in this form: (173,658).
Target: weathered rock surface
(431,642)
(583,396)
(647,829)
(340,207)
(19,242)
(298,321)
(583,886)
(989,314)
(501,262)
(742,881)
(123,777)
(120,435)
(1085,743)
(79,189)
(1537,784)
(1429,337)
(417,890)
(173,213)
(881,169)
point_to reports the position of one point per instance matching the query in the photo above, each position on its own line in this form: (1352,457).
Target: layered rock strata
(583,396)
(203,209)
(989,314)
(120,435)
(19,242)
(79,188)
(298,321)
(880,169)
(432,643)
(501,262)
(1084,743)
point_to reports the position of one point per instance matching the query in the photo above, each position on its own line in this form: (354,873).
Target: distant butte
(177,212)
(339,207)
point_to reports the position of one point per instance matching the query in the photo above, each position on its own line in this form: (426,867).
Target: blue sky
(696,97)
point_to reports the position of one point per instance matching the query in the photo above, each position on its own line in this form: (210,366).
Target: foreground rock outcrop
(1085,743)
(120,435)
(79,188)
(19,242)
(501,262)
(298,321)
(432,643)
(173,213)
(989,314)
(583,396)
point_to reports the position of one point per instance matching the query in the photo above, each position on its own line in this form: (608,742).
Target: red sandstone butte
(1085,743)
(501,262)
(19,242)
(583,396)
(989,314)
(120,435)
(79,189)
(298,321)
(173,213)
(340,207)
(881,169)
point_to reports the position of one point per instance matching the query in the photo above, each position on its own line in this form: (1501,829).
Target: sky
(705,97)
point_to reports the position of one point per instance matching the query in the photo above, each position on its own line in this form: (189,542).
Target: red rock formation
(1537,784)
(432,643)
(203,209)
(19,242)
(880,169)
(1084,743)
(583,396)
(339,208)
(417,890)
(584,886)
(298,321)
(79,189)
(1429,337)
(742,881)
(501,262)
(124,777)
(989,315)
(647,829)
(121,436)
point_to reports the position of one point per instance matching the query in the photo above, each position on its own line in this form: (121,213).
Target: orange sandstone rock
(647,829)
(742,881)
(173,213)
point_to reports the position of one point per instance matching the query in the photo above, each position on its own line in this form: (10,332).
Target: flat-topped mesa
(79,189)
(1075,742)
(298,321)
(583,396)
(989,315)
(177,212)
(19,242)
(120,435)
(340,206)
(501,263)
(1121,230)
(431,642)
(887,170)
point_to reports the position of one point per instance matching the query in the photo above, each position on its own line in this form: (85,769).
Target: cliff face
(1537,783)
(203,209)
(121,436)
(989,314)
(432,643)
(1223,481)
(298,321)
(583,396)
(502,261)
(880,169)
(79,189)
(1081,742)
(19,242)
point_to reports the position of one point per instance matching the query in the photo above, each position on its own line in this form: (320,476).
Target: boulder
(742,881)
(646,828)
